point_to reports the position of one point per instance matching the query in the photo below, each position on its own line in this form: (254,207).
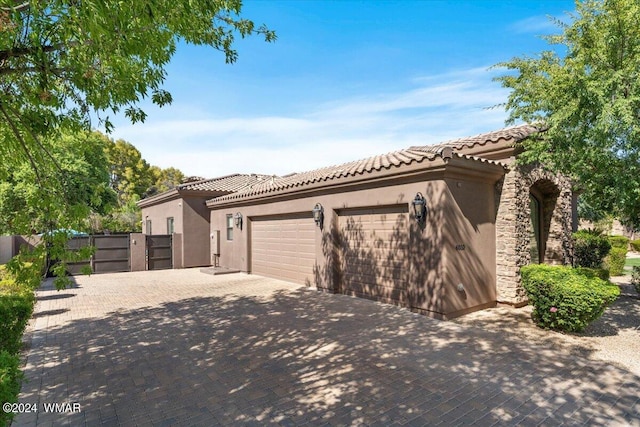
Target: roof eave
(478,169)
(179,194)
(158,198)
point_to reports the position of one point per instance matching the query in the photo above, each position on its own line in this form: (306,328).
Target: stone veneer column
(559,249)
(509,224)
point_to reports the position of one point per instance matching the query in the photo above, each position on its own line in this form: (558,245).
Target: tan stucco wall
(191,220)
(6,249)
(458,214)
(195,232)
(158,215)
(470,251)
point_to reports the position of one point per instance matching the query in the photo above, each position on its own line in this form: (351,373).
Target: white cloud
(539,24)
(431,110)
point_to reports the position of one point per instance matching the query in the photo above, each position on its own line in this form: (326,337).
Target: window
(170,225)
(148,227)
(535,231)
(229,227)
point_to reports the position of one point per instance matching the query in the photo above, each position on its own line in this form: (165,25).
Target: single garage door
(374,253)
(284,248)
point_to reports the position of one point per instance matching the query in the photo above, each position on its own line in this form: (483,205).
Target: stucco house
(182,212)
(440,229)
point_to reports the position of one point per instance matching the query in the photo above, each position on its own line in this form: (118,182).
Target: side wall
(195,229)
(6,249)
(10,246)
(158,215)
(470,252)
(455,246)
(191,220)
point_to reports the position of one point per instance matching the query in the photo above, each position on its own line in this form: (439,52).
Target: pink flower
(553,309)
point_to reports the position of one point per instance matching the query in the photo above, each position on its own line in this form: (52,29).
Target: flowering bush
(565,298)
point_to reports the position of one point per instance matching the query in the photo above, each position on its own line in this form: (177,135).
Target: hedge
(600,273)
(16,306)
(635,245)
(619,241)
(590,248)
(635,278)
(614,262)
(10,380)
(564,298)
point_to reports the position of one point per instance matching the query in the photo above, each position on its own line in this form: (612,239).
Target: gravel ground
(614,337)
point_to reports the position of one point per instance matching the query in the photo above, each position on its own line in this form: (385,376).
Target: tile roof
(415,154)
(515,133)
(358,167)
(207,187)
(229,183)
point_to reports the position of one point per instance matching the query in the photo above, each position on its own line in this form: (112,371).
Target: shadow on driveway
(297,356)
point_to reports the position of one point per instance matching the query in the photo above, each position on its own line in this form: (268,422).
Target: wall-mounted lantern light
(419,208)
(318,214)
(238,220)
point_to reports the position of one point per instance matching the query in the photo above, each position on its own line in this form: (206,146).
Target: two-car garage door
(372,247)
(284,248)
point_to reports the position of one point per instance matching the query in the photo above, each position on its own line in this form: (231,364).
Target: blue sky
(345,80)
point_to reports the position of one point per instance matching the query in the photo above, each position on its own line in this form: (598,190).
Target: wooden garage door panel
(284,248)
(374,253)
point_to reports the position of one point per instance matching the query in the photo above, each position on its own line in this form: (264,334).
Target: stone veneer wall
(513,226)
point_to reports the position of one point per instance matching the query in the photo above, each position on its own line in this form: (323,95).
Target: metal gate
(74,244)
(111,255)
(159,252)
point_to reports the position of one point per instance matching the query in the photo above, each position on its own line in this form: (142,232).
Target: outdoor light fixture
(419,208)
(318,214)
(238,219)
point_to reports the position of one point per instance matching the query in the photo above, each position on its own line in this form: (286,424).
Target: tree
(164,180)
(586,94)
(80,172)
(131,175)
(60,60)
(63,60)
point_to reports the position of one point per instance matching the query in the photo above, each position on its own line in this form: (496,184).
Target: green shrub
(635,245)
(10,380)
(15,311)
(619,241)
(600,273)
(590,248)
(635,278)
(16,305)
(614,262)
(565,299)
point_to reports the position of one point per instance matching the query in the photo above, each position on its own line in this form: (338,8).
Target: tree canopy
(62,60)
(78,183)
(586,93)
(65,61)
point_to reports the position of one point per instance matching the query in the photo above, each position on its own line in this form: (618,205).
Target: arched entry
(533,225)
(536,242)
(543,203)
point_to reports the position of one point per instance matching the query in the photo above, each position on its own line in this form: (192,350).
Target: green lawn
(631,262)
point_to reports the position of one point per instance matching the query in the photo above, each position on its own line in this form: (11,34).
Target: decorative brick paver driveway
(179,347)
